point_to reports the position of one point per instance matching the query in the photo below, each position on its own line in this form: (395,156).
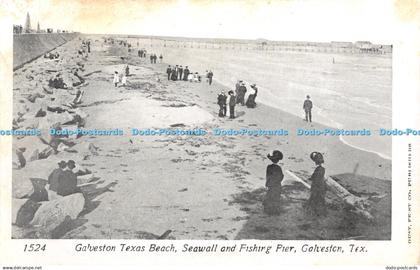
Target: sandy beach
(199,187)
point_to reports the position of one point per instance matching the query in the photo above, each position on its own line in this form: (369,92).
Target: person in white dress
(124,80)
(116,79)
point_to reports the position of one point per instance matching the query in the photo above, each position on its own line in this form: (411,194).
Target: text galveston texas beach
(133,137)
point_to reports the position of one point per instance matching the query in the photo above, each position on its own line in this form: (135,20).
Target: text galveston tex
(238,248)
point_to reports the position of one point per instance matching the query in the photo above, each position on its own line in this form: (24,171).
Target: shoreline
(381,155)
(336,97)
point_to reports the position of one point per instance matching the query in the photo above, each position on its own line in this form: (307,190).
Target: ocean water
(354,92)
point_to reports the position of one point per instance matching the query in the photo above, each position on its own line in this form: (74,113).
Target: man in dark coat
(127,70)
(241,94)
(180,71)
(232,103)
(221,101)
(186,73)
(169,71)
(210,76)
(55,175)
(307,107)
(67,183)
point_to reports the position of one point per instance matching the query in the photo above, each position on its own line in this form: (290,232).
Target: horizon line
(235,39)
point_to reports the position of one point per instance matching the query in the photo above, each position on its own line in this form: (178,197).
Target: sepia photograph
(96,169)
(264,128)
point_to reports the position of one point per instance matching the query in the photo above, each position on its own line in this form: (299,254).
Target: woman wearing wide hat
(316,203)
(274,176)
(250,102)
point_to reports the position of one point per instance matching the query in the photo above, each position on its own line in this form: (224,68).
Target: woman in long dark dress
(274,176)
(174,75)
(250,102)
(316,203)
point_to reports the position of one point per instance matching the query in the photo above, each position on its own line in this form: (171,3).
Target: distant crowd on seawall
(19,30)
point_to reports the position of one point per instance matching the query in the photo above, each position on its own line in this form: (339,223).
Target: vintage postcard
(227,133)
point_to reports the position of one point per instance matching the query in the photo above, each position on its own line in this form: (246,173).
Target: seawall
(28,47)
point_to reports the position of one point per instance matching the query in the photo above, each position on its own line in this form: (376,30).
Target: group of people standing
(274,176)
(153,58)
(236,98)
(123,79)
(141,53)
(177,73)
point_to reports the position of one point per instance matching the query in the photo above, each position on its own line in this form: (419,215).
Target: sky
(307,20)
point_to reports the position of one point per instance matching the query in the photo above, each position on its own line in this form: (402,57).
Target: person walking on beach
(55,175)
(250,102)
(197,77)
(169,71)
(221,101)
(190,77)
(307,107)
(161,58)
(180,71)
(127,70)
(241,94)
(186,73)
(116,79)
(124,80)
(274,177)
(232,103)
(238,84)
(151,58)
(316,203)
(210,76)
